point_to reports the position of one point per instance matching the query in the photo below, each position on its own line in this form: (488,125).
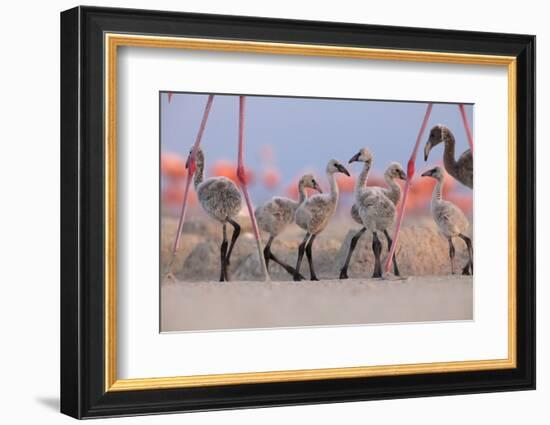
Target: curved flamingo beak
(354,158)
(428,173)
(402,175)
(427,150)
(318,188)
(342,169)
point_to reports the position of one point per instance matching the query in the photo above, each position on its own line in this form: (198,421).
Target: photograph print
(281,212)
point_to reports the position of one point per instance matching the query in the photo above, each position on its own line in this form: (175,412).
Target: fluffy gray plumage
(393,191)
(218,196)
(463,169)
(277,213)
(450,220)
(374,209)
(314,214)
(375,206)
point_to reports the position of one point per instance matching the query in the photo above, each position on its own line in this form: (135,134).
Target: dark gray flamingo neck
(449,152)
(199,171)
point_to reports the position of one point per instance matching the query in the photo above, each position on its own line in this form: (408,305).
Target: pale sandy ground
(198,302)
(236,305)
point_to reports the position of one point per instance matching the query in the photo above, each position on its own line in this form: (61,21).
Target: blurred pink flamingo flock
(173,175)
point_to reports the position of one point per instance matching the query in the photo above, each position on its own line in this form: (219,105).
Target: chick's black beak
(318,188)
(342,169)
(354,158)
(402,175)
(428,173)
(427,150)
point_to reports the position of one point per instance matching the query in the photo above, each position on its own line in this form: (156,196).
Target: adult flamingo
(462,168)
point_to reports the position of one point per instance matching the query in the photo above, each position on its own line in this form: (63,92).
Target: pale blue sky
(305,133)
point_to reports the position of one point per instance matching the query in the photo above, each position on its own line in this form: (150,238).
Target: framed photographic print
(261,212)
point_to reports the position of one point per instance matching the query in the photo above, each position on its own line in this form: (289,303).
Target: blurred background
(285,138)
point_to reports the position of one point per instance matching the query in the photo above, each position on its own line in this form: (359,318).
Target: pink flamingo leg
(467,127)
(189,178)
(410,175)
(243,184)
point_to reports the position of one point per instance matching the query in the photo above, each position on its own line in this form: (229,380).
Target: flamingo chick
(221,199)
(392,192)
(463,169)
(314,214)
(450,220)
(277,213)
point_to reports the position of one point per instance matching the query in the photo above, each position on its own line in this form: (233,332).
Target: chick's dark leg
(388,238)
(301,249)
(267,252)
(352,245)
(234,236)
(377,250)
(268,255)
(469,268)
(452,255)
(223,255)
(310,258)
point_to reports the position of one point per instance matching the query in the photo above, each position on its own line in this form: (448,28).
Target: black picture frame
(83,392)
